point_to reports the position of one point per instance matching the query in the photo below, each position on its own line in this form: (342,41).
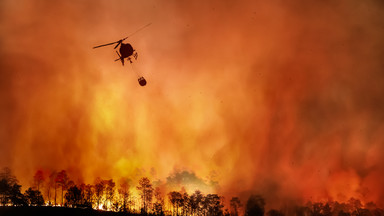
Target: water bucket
(142,81)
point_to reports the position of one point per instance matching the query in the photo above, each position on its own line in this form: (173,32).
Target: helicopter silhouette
(126,51)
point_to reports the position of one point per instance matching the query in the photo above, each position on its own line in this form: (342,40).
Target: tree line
(57,189)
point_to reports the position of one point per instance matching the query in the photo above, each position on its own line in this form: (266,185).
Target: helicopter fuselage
(126,50)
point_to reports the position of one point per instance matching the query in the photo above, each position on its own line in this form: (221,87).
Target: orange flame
(281,99)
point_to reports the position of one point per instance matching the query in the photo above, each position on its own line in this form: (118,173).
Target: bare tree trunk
(62,199)
(49,194)
(55,193)
(145,209)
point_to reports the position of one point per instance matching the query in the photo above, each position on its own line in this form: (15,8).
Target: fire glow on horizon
(276,98)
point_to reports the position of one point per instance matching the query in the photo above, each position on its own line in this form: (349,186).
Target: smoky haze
(284,99)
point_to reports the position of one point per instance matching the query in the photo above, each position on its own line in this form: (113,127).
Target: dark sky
(279,98)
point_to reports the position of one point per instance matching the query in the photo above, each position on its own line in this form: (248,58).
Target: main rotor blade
(118,43)
(137,31)
(105,44)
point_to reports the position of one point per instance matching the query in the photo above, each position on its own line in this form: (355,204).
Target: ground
(57,211)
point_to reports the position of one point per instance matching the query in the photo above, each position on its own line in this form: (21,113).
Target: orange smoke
(281,99)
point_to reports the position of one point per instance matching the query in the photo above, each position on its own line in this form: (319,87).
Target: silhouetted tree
(195,202)
(109,192)
(317,207)
(204,205)
(74,196)
(326,211)
(34,197)
(213,205)
(52,183)
(146,192)
(340,207)
(302,210)
(235,204)
(321,209)
(255,206)
(9,189)
(4,191)
(158,206)
(184,201)
(175,199)
(16,197)
(124,193)
(179,200)
(354,204)
(38,178)
(87,195)
(62,180)
(7,175)
(99,191)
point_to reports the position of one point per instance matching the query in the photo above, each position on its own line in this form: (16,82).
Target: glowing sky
(280,98)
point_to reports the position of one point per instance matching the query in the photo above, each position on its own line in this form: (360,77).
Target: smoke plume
(284,99)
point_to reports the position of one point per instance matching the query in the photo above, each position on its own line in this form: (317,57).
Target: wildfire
(281,99)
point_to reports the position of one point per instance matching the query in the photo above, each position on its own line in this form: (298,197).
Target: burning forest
(276,104)
(56,189)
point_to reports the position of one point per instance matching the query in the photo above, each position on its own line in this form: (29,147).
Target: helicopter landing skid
(135,55)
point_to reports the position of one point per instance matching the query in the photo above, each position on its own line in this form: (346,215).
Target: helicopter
(126,51)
